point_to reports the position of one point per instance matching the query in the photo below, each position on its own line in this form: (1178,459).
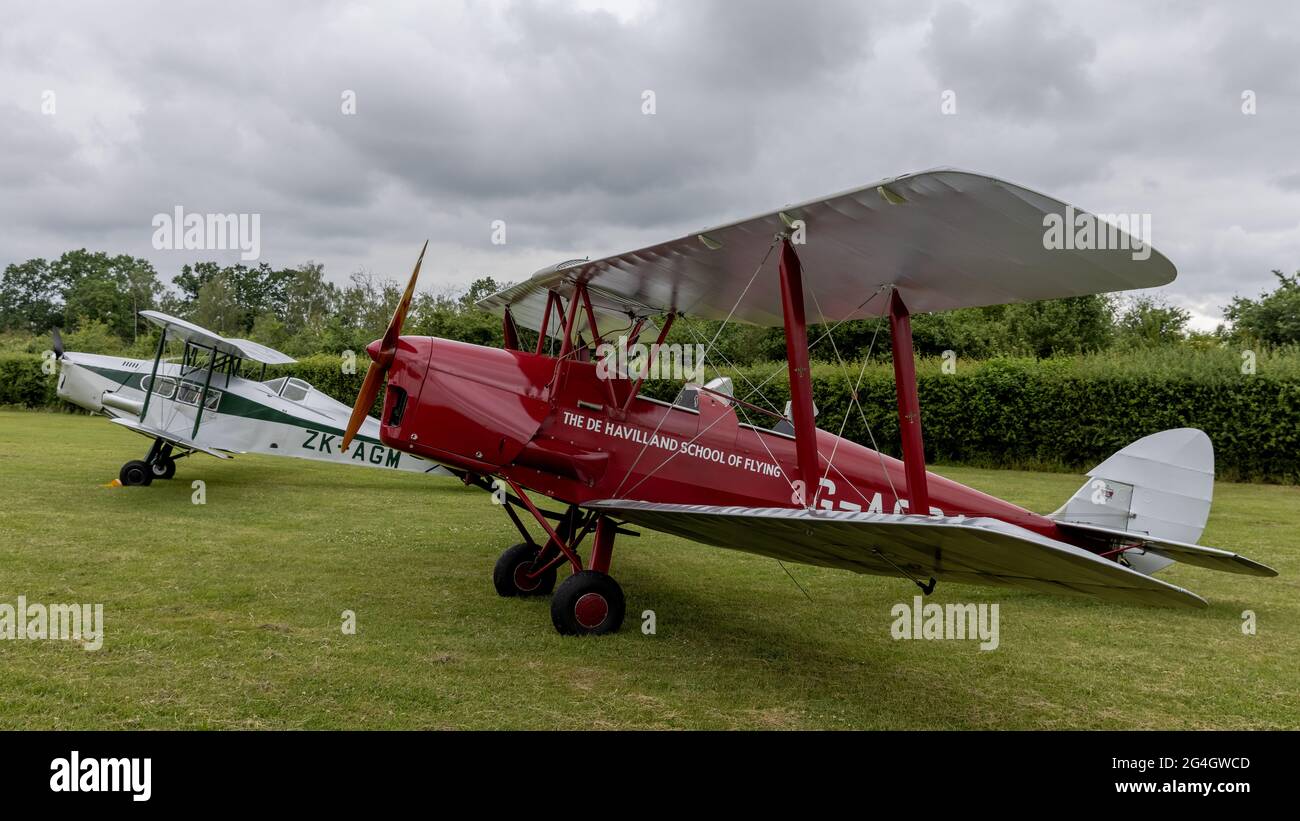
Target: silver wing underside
(973,550)
(178,328)
(172,438)
(944,238)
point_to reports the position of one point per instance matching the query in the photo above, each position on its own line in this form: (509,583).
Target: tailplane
(1154,496)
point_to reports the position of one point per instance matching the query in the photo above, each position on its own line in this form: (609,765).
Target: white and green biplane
(161,400)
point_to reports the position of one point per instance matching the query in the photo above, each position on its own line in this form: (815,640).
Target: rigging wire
(667,411)
(856,385)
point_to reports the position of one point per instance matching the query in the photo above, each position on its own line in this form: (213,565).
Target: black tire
(508,575)
(588,603)
(135,473)
(164,468)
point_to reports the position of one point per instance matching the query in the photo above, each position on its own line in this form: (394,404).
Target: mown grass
(228,615)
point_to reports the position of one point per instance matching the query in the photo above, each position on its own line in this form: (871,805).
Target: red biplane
(551,421)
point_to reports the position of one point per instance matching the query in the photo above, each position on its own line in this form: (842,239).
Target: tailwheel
(588,603)
(163,468)
(514,574)
(134,473)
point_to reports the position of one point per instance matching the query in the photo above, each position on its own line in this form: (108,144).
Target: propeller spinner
(382,359)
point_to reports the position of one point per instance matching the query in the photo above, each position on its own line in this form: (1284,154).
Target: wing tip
(1254,568)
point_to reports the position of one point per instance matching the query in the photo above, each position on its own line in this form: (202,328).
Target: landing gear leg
(587,603)
(590,602)
(529,569)
(157,464)
(162,465)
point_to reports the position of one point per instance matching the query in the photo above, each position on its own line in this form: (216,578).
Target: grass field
(227,615)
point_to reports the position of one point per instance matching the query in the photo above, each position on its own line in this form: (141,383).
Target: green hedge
(1053,414)
(23,383)
(1006,413)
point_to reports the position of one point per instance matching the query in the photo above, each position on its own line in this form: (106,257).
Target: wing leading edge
(973,550)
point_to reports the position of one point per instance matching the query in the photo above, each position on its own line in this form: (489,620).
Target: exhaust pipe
(122,403)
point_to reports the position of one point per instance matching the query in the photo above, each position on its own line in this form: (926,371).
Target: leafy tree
(308,298)
(480,289)
(257,290)
(37,295)
(1148,322)
(1055,327)
(30,299)
(269,330)
(190,281)
(112,289)
(218,308)
(1274,318)
(93,336)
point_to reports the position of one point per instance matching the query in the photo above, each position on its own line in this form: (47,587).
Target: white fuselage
(280,417)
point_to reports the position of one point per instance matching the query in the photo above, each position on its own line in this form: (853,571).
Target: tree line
(96,297)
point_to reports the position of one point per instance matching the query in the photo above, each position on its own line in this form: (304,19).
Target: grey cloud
(1022,60)
(531,113)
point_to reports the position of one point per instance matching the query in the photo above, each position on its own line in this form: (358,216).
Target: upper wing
(1209,557)
(976,550)
(944,238)
(179,328)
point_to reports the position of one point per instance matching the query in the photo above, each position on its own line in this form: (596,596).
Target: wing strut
(796,354)
(509,334)
(546,320)
(909,406)
(203,395)
(153,374)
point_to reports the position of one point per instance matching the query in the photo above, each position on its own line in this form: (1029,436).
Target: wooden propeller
(382,359)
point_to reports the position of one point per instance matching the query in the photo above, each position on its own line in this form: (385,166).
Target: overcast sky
(532,113)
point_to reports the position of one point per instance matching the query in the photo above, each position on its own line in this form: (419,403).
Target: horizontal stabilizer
(1155,495)
(1212,558)
(976,550)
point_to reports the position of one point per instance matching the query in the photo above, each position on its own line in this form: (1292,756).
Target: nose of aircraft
(75,385)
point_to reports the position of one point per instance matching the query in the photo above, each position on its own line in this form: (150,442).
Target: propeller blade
(383,358)
(399,315)
(58,343)
(365,401)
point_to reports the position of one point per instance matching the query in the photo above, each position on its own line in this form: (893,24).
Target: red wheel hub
(522,580)
(591,610)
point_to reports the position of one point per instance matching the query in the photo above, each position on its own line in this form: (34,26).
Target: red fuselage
(554,427)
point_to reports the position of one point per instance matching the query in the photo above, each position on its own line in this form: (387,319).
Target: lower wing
(154,433)
(977,550)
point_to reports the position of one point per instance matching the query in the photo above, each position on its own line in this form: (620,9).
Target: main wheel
(164,468)
(135,472)
(588,603)
(510,576)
